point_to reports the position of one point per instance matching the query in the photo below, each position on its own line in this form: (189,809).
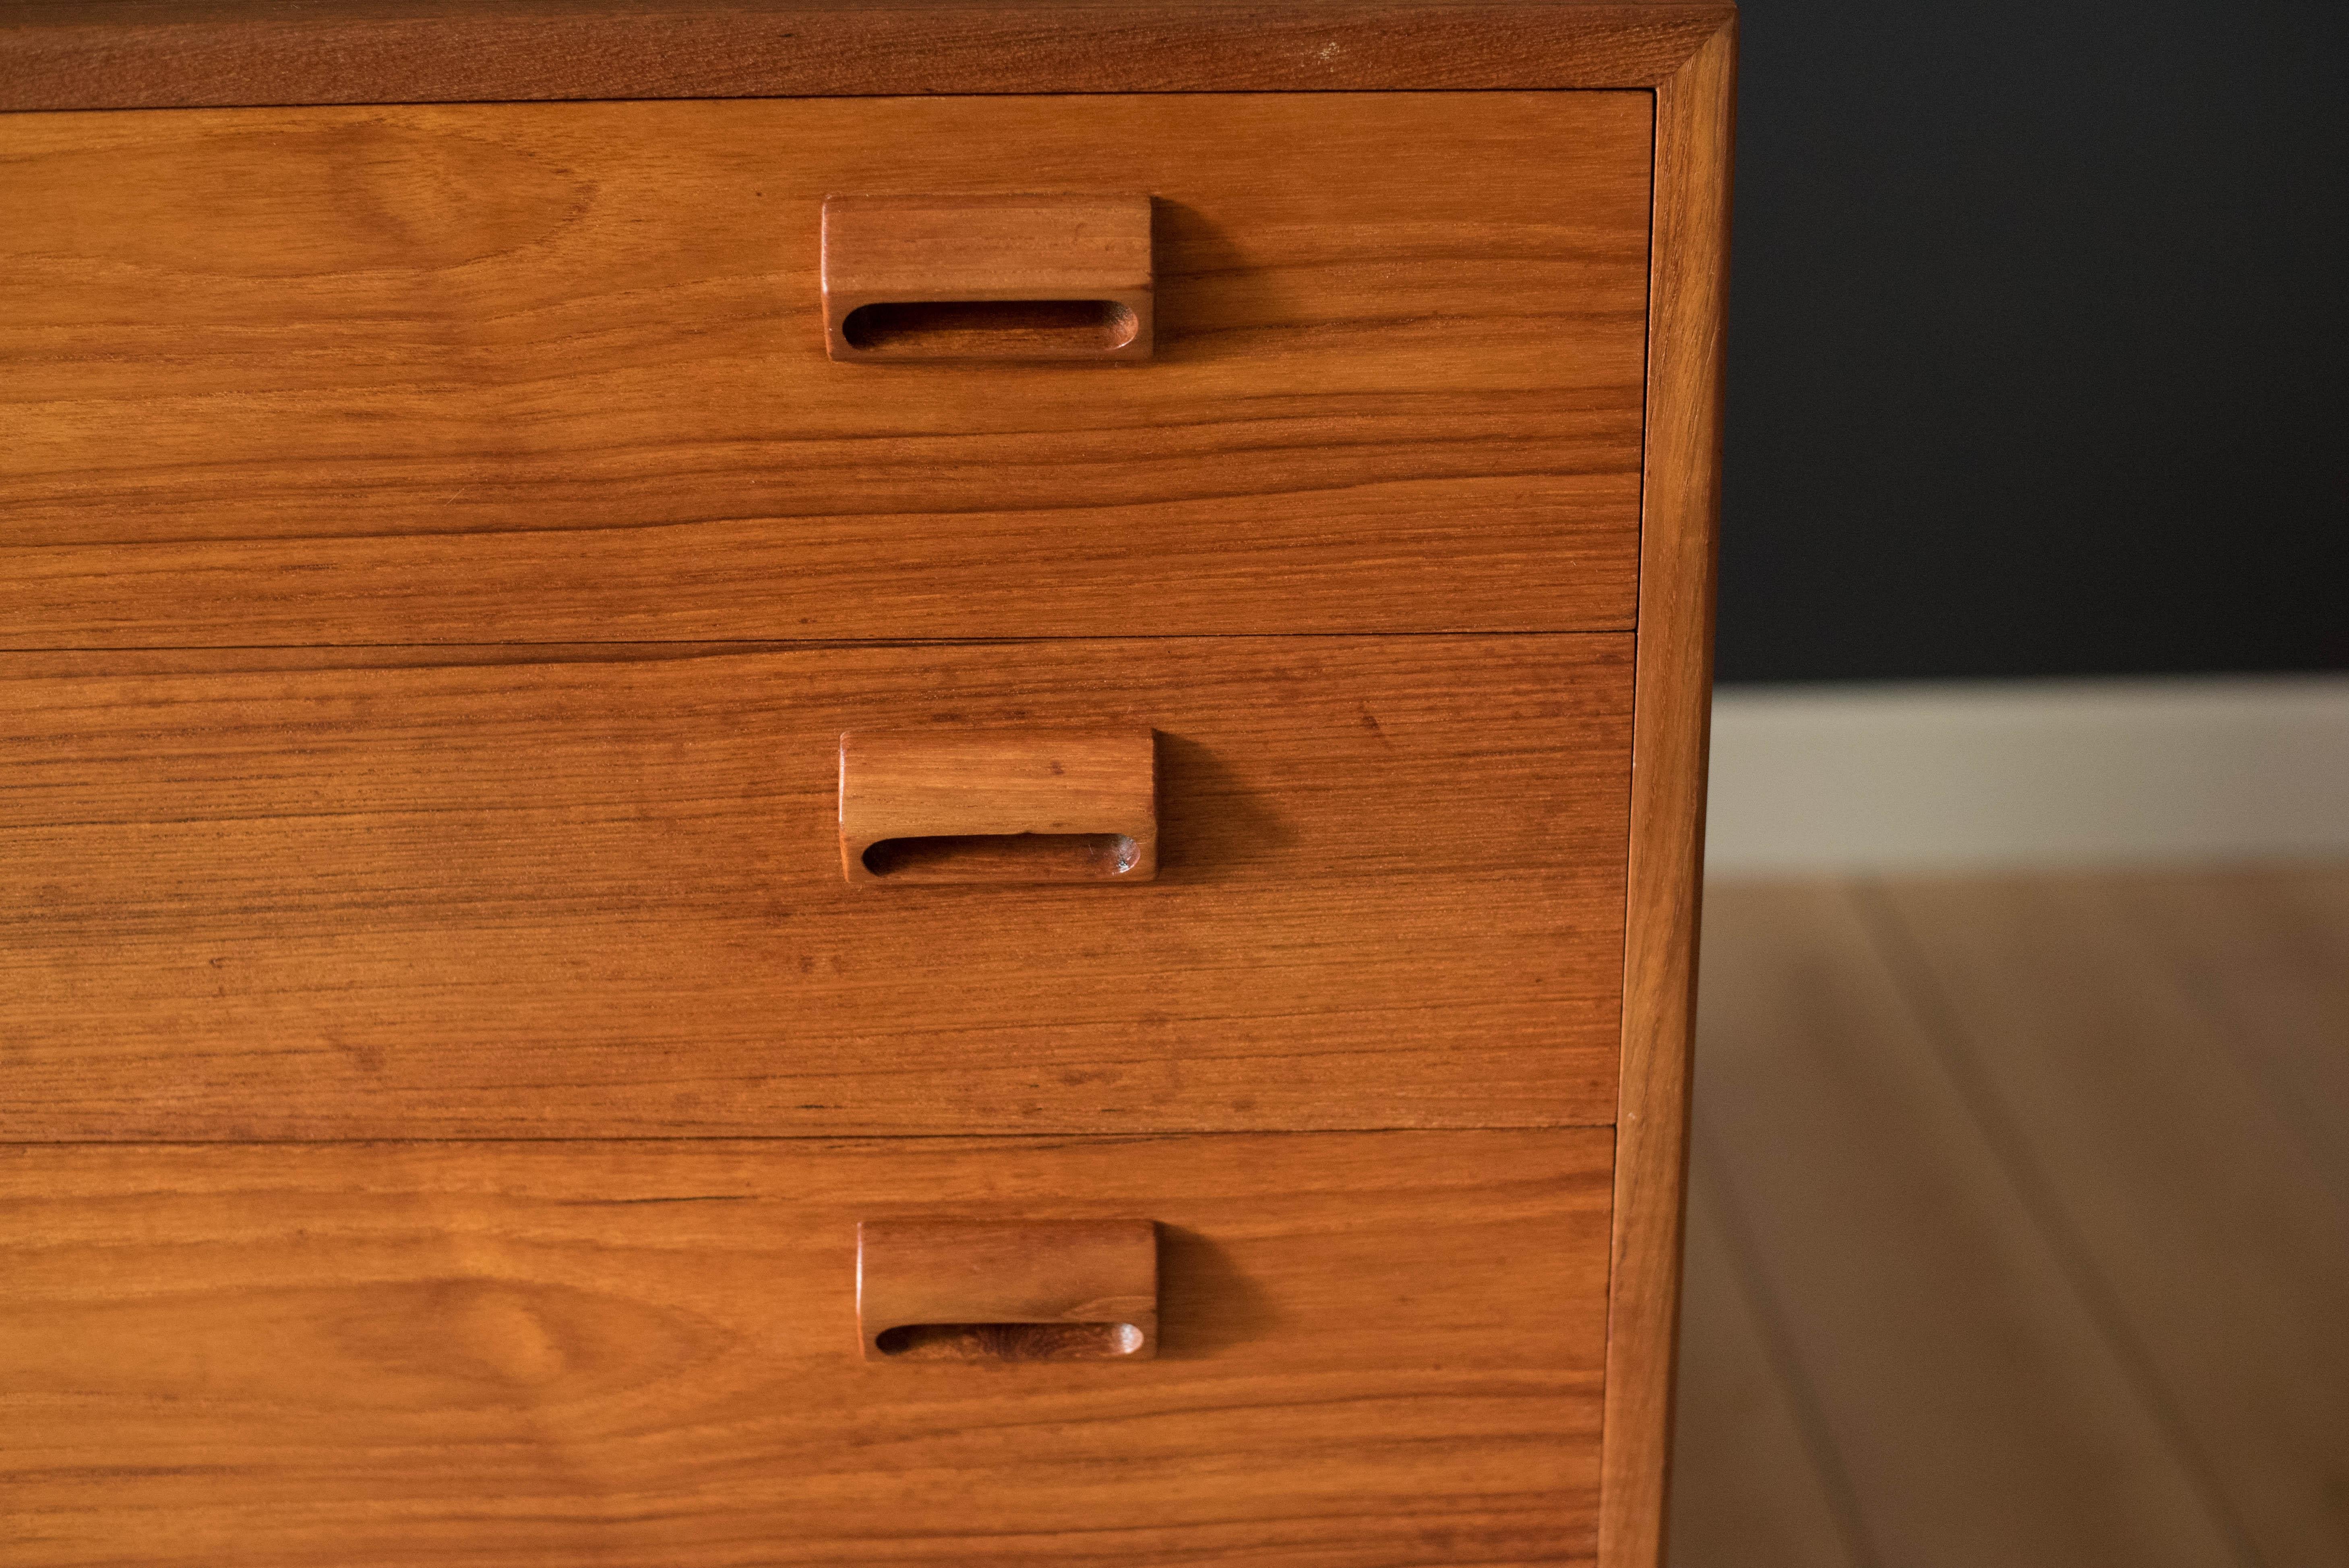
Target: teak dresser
(884,785)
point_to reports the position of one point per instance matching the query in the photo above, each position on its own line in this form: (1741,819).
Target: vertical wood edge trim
(1688,277)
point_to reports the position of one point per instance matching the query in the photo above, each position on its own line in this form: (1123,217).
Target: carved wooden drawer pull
(987,277)
(1044,1290)
(998,805)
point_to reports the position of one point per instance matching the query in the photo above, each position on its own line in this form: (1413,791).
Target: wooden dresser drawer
(557,371)
(1376,1351)
(598,891)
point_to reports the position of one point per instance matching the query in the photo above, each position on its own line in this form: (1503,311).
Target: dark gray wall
(2037,340)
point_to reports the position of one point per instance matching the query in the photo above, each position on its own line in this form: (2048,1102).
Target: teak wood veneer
(544,372)
(280,1355)
(500,893)
(837,784)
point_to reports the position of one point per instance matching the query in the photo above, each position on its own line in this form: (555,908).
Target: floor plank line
(2189,1225)
(2263,956)
(1768,1486)
(1979,1412)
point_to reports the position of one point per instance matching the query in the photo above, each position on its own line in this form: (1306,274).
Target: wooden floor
(2019,1225)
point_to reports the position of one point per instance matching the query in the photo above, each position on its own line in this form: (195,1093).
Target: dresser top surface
(161,54)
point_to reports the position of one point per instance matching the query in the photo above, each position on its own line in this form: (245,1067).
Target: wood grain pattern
(364,893)
(1678,547)
(556,372)
(988,1289)
(1963,1373)
(2108,1065)
(89,54)
(954,804)
(1379,1351)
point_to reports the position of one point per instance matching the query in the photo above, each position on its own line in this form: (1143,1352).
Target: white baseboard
(1976,777)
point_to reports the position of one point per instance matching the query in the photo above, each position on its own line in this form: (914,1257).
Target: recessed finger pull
(998,805)
(1045,1290)
(987,277)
